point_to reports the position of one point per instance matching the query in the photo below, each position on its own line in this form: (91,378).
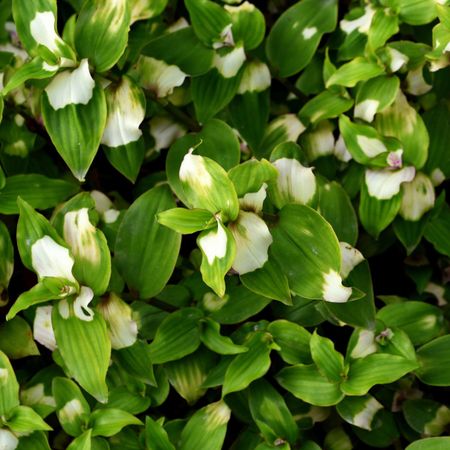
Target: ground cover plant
(223,224)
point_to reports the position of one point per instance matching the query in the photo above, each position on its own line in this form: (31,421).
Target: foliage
(235,215)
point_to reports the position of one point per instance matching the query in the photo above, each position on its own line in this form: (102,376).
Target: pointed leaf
(144,247)
(9,388)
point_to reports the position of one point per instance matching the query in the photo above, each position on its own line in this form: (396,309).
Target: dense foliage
(224,225)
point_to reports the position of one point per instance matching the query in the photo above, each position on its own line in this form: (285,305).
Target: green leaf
(329,361)
(336,208)
(177,336)
(186,221)
(109,421)
(308,384)
(7,259)
(209,20)
(326,105)
(421,321)
(351,73)
(270,413)
(36,26)
(206,429)
(211,338)
(23,419)
(402,121)
(85,348)
(82,442)
(269,281)
(218,249)
(72,408)
(36,69)
(375,95)
(248,24)
(74,128)
(434,443)
(436,231)
(156,437)
(249,366)
(434,360)
(240,304)
(183,49)
(364,373)
(306,248)
(16,339)
(384,24)
(417,12)
(296,34)
(39,191)
(293,340)
(9,387)
(34,441)
(136,360)
(101,32)
(212,92)
(426,416)
(142,244)
(218,142)
(376,215)
(188,374)
(359,411)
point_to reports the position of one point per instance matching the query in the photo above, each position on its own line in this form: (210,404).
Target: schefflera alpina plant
(236,236)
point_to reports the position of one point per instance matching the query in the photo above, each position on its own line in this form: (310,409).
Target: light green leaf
(9,387)
(206,429)
(270,413)
(249,366)
(434,360)
(39,191)
(186,221)
(85,348)
(16,339)
(75,123)
(177,336)
(308,384)
(296,34)
(375,369)
(156,437)
(34,441)
(211,338)
(109,421)
(23,419)
(144,247)
(329,361)
(72,408)
(101,32)
(351,73)
(306,248)
(384,24)
(434,443)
